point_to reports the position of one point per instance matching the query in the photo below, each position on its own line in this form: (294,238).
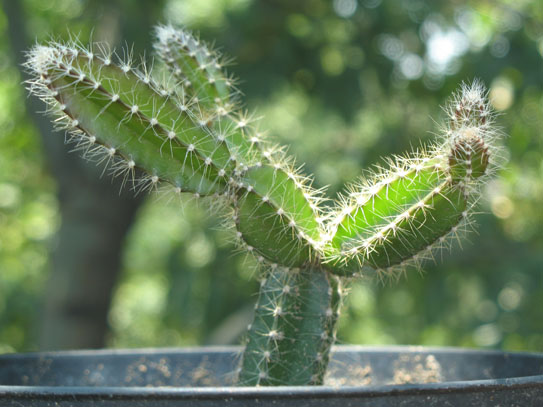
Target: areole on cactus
(186,131)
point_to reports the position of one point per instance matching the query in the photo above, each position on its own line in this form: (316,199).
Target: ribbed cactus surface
(293,329)
(188,131)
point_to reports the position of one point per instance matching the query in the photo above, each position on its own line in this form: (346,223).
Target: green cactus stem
(294,327)
(188,131)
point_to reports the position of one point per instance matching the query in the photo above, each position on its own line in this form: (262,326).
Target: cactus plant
(185,130)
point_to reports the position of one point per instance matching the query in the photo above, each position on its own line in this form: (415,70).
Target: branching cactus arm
(119,114)
(276,212)
(405,212)
(188,131)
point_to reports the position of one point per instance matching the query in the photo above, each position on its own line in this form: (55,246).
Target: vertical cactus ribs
(188,131)
(294,328)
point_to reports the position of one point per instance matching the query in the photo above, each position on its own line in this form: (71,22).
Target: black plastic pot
(358,376)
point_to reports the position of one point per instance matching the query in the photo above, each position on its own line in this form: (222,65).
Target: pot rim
(212,393)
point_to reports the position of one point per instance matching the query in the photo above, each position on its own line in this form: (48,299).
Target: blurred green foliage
(342,82)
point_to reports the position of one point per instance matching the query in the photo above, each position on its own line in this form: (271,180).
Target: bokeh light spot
(487,335)
(502,206)
(345,8)
(501,94)
(332,61)
(411,66)
(510,296)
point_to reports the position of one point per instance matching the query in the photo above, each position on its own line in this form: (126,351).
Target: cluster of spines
(470,132)
(293,330)
(196,67)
